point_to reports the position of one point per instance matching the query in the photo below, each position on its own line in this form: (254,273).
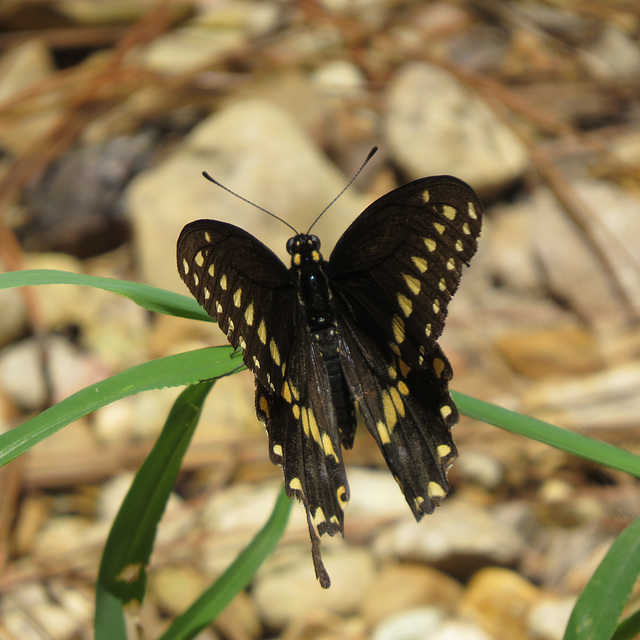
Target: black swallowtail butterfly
(360,328)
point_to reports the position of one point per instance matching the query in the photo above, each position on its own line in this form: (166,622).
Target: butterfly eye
(290,245)
(315,241)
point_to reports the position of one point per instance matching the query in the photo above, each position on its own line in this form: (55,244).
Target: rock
(256,150)
(436,125)
(176,588)
(555,351)
(608,398)
(403,587)
(500,600)
(285,587)
(510,248)
(374,493)
(21,68)
(614,55)
(459,630)
(480,468)
(318,624)
(458,538)
(574,272)
(414,624)
(548,618)
(21,371)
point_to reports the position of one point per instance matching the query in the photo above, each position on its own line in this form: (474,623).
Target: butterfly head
(304,249)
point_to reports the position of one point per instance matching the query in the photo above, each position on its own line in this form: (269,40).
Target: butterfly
(322,336)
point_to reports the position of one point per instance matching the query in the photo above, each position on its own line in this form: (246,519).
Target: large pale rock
(255,149)
(436,125)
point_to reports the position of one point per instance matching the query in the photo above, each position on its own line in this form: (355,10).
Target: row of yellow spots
(392,408)
(310,428)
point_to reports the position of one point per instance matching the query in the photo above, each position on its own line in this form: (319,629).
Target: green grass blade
(629,628)
(109,620)
(598,609)
(173,371)
(146,296)
(563,439)
(130,543)
(235,578)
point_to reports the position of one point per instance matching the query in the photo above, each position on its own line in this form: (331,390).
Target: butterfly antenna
(358,172)
(253,204)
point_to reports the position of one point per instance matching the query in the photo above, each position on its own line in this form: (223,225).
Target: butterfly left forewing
(246,288)
(401,260)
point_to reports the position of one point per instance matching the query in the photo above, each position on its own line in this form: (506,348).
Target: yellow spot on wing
(296,411)
(435,490)
(196,278)
(223,282)
(211,269)
(275,354)
(427,330)
(264,406)
(442,285)
(436,306)
(262,332)
(405,304)
(465,229)
(445,411)
(449,212)
(402,387)
(248,314)
(430,244)
(444,450)
(327,446)
(185,266)
(237,298)
(398,329)
(199,258)
(438,366)
(426,195)
(393,374)
(472,211)
(439,227)
(451,264)
(397,401)
(421,263)
(341,494)
(383,432)
(295,484)
(390,414)
(207,293)
(207,236)
(459,246)
(277,449)
(413,284)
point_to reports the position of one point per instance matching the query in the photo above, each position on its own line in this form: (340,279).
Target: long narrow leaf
(235,578)
(173,371)
(130,543)
(569,441)
(146,296)
(596,614)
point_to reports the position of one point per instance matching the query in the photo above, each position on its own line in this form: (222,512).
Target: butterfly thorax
(314,293)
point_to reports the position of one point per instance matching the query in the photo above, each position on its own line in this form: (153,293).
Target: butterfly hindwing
(304,439)
(409,413)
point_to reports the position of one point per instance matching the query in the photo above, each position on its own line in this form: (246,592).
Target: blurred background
(110,111)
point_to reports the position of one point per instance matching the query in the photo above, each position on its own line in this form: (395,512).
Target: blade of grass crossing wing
(144,295)
(126,554)
(598,609)
(207,607)
(173,371)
